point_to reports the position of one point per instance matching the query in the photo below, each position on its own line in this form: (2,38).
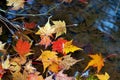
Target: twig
(46,13)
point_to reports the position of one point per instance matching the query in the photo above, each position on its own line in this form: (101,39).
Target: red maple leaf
(1,71)
(58,45)
(30,25)
(83,1)
(22,47)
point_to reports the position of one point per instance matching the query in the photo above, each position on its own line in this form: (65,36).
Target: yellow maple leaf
(46,30)
(69,47)
(97,61)
(17,4)
(48,57)
(103,76)
(60,27)
(2,45)
(5,63)
(54,67)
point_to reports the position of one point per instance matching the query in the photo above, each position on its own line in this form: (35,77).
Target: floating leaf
(0,30)
(47,30)
(16,4)
(22,47)
(14,67)
(6,63)
(60,27)
(103,76)
(67,61)
(58,45)
(2,45)
(69,47)
(54,67)
(45,40)
(97,61)
(48,57)
(61,76)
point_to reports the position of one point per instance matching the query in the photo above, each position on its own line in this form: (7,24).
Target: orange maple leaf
(97,61)
(22,47)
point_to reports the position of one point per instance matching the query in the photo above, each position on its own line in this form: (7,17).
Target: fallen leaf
(5,63)
(30,25)
(1,71)
(69,47)
(29,68)
(67,61)
(34,77)
(60,27)
(58,45)
(22,47)
(97,61)
(50,77)
(19,76)
(48,57)
(47,30)
(103,76)
(2,45)
(15,4)
(45,40)
(14,67)
(54,67)
(61,76)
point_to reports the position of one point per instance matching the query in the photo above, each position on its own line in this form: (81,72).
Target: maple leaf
(67,61)
(58,45)
(22,47)
(34,77)
(16,4)
(5,63)
(103,76)
(97,61)
(45,40)
(54,67)
(61,76)
(19,75)
(60,27)
(29,25)
(46,30)
(48,57)
(69,47)
(14,67)
(29,68)
(2,45)
(1,71)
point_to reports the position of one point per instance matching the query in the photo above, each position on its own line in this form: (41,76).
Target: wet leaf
(58,45)
(97,61)
(60,27)
(30,25)
(103,76)
(22,47)
(45,40)
(67,61)
(16,4)
(48,57)
(69,47)
(6,63)
(2,45)
(47,30)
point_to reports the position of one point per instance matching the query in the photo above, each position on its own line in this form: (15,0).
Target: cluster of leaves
(55,57)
